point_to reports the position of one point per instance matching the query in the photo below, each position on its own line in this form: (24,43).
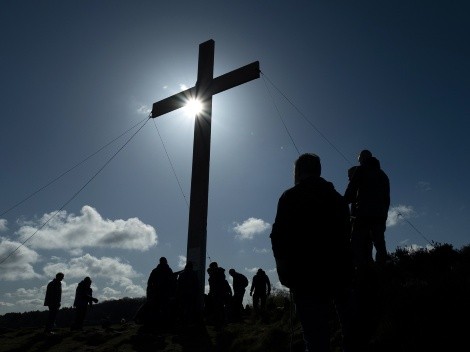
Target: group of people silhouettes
(323,243)
(83,299)
(172,297)
(175,295)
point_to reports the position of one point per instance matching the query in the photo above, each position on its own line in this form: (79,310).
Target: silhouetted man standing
(311,246)
(52,300)
(260,290)
(83,299)
(161,288)
(368,192)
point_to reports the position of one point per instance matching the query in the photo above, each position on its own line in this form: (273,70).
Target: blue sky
(337,77)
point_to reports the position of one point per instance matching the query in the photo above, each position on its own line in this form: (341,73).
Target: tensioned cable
(306,119)
(66,172)
(280,116)
(171,164)
(75,194)
(409,223)
(327,140)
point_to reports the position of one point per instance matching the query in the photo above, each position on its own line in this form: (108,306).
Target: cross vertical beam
(206,86)
(198,204)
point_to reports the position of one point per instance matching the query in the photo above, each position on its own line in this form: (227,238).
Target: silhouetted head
(87,280)
(305,166)
(363,156)
(231,272)
(260,271)
(59,276)
(163,260)
(351,172)
(213,265)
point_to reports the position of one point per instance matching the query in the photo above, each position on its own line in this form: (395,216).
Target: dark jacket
(310,237)
(369,190)
(218,284)
(161,284)
(83,295)
(53,293)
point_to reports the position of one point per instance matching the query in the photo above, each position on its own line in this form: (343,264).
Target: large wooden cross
(206,86)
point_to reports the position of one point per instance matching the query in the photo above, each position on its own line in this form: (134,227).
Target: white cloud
(6,304)
(398,214)
(87,265)
(27,292)
(116,275)
(19,264)
(416,248)
(110,292)
(261,250)
(251,227)
(181,261)
(134,291)
(67,231)
(3,225)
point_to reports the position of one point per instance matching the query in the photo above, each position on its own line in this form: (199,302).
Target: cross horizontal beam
(219,84)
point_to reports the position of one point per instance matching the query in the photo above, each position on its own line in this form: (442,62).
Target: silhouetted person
(310,243)
(368,192)
(52,300)
(161,287)
(187,293)
(240,282)
(83,299)
(260,290)
(220,294)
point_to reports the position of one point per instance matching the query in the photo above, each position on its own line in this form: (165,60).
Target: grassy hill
(423,304)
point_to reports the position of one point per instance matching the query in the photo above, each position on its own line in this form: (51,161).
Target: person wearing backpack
(240,282)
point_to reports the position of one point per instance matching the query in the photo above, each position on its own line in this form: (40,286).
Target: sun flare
(193,107)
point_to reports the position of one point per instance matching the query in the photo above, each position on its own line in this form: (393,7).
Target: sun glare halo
(193,107)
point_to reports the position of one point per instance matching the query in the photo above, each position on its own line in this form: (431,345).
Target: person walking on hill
(260,290)
(52,300)
(310,239)
(83,299)
(161,289)
(240,282)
